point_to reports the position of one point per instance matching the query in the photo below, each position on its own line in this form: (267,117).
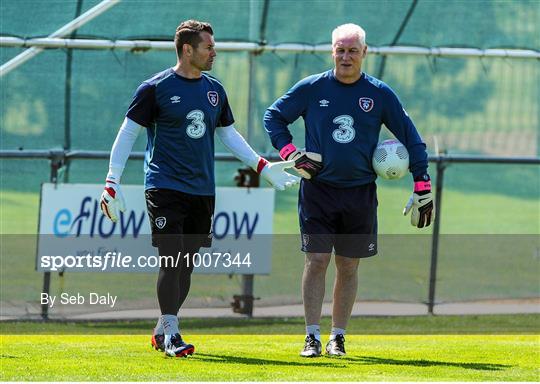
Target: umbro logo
(175,99)
(371,247)
(323,103)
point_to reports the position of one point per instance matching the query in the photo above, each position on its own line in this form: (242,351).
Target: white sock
(158,330)
(314,330)
(336,331)
(170,324)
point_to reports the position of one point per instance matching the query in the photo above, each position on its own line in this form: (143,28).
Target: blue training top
(181,116)
(343,122)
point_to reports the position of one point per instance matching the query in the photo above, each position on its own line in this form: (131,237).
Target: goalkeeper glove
(421,203)
(112,200)
(275,173)
(307,164)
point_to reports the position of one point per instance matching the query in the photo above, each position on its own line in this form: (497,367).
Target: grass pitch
(413,349)
(272,358)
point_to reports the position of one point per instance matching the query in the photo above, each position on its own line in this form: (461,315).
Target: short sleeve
(142,109)
(226,118)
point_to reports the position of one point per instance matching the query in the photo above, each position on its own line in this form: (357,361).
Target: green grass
(360,325)
(408,348)
(22,205)
(415,348)
(272,358)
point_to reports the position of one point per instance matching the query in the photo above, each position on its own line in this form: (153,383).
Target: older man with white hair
(343,110)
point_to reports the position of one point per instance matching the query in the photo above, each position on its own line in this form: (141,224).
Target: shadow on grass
(370,360)
(335,362)
(209,358)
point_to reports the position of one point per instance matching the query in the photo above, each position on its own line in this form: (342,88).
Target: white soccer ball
(391,159)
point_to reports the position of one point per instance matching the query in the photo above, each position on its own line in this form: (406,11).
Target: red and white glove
(307,164)
(112,201)
(421,203)
(275,173)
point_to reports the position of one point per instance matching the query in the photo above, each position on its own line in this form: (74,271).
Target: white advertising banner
(75,236)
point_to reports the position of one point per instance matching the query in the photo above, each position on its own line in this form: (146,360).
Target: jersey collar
(333,77)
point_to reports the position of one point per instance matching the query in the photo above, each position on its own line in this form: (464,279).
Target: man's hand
(275,174)
(421,204)
(307,164)
(112,201)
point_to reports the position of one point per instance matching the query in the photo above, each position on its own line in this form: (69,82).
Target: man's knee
(317,262)
(346,266)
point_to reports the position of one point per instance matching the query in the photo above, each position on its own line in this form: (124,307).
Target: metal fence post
(441,165)
(57,161)
(243,303)
(46,289)
(247,292)
(248,280)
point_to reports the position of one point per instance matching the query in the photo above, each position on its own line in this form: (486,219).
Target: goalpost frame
(54,42)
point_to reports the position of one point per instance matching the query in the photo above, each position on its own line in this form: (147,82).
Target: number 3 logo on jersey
(345,132)
(197,128)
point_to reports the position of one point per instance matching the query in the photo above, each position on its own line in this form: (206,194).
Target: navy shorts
(343,219)
(173,213)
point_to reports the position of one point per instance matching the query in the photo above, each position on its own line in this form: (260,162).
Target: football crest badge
(305,240)
(213,98)
(366,104)
(161,222)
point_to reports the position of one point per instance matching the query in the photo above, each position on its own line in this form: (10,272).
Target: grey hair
(349,30)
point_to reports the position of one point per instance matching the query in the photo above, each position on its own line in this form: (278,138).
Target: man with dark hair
(189,33)
(343,109)
(181,108)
